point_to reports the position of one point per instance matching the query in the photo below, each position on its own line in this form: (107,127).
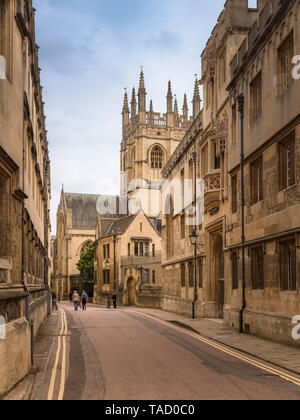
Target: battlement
(139,114)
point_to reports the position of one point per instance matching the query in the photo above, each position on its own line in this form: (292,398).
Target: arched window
(156,158)
(85,247)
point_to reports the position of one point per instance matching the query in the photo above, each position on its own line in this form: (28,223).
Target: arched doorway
(219,274)
(131,292)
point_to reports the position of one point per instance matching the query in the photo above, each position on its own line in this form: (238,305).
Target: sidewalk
(29,388)
(280,355)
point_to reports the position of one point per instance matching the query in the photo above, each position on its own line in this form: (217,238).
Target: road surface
(123,354)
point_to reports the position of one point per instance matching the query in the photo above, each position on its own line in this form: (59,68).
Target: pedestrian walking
(71,296)
(114,298)
(108,302)
(76,300)
(84,299)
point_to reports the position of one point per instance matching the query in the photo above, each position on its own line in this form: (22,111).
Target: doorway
(131,292)
(220,274)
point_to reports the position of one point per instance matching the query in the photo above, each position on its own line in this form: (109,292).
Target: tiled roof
(120,226)
(84,210)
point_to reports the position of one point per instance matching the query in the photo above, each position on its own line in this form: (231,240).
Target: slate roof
(84,210)
(120,226)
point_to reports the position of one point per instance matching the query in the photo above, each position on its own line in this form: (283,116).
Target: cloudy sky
(89,52)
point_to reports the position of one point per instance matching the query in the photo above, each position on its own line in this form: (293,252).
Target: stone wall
(14,354)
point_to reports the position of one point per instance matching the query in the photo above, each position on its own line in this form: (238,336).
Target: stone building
(76,230)
(24,191)
(148,141)
(250,52)
(128,260)
(207,138)
(262,72)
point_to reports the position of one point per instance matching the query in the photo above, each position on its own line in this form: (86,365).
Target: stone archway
(131,291)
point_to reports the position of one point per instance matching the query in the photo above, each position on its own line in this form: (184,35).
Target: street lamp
(193,239)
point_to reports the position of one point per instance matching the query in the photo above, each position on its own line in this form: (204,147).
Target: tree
(86,262)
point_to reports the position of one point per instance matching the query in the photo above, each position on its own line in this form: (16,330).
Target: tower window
(156,158)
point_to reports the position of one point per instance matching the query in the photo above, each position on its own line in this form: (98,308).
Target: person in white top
(76,299)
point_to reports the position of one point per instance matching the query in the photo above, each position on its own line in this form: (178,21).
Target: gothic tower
(149,140)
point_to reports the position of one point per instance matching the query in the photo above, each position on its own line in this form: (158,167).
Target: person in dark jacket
(84,299)
(114,299)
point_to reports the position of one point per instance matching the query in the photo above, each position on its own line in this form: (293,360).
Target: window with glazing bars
(288,277)
(257,263)
(156,158)
(256,98)
(287,162)
(285,54)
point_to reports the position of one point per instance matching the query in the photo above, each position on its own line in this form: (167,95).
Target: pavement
(43,348)
(137,353)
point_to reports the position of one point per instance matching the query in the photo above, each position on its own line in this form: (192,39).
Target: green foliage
(86,262)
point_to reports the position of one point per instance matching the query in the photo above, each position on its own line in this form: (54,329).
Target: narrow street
(105,354)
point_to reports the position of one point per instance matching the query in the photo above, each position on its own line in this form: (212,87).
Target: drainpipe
(115,280)
(27,315)
(195,230)
(241,103)
(46,240)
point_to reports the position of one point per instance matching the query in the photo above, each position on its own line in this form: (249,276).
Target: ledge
(12,294)
(5,263)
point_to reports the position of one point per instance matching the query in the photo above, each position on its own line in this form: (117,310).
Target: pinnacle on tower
(176,113)
(133,104)
(176,107)
(125,105)
(169,98)
(142,93)
(125,111)
(151,113)
(185,108)
(196,99)
(142,80)
(151,107)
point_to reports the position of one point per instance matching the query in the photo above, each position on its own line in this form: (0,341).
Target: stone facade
(272,216)
(76,229)
(24,191)
(249,52)
(128,260)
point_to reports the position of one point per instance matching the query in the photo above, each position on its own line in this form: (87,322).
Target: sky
(90,51)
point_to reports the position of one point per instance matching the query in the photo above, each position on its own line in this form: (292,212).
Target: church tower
(149,140)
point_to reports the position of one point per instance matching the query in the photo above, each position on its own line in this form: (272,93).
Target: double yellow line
(61,345)
(227,350)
